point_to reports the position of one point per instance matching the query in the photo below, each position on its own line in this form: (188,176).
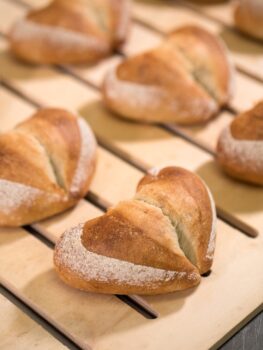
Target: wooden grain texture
(20,332)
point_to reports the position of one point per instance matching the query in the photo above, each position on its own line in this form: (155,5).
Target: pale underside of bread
(185,80)
(248,15)
(136,248)
(46,165)
(70,32)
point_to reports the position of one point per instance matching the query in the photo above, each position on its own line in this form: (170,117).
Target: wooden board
(19,332)
(104,322)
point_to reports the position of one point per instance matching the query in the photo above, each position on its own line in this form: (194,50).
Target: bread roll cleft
(184,80)
(136,247)
(67,31)
(46,165)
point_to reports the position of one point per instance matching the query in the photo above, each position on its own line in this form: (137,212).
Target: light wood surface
(224,300)
(19,332)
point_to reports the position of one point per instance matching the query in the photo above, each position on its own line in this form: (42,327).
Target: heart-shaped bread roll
(184,80)
(158,242)
(69,31)
(248,16)
(46,165)
(240,146)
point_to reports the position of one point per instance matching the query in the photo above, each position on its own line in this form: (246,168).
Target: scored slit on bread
(188,203)
(142,235)
(67,31)
(186,80)
(47,163)
(207,59)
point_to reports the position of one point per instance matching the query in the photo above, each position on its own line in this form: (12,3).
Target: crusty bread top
(171,220)
(67,31)
(152,69)
(249,125)
(63,154)
(174,82)
(186,200)
(188,53)
(46,165)
(137,246)
(98,18)
(44,152)
(136,232)
(208,60)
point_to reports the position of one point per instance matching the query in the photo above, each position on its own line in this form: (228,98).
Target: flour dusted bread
(184,80)
(136,247)
(69,31)
(46,165)
(248,16)
(240,146)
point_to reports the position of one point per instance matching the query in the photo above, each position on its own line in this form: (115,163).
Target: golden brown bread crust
(248,16)
(134,247)
(249,125)
(185,80)
(208,60)
(46,165)
(101,274)
(68,31)
(186,200)
(240,147)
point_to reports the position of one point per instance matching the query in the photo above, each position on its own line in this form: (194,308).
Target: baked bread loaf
(69,31)
(248,17)
(240,146)
(184,80)
(158,242)
(46,165)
